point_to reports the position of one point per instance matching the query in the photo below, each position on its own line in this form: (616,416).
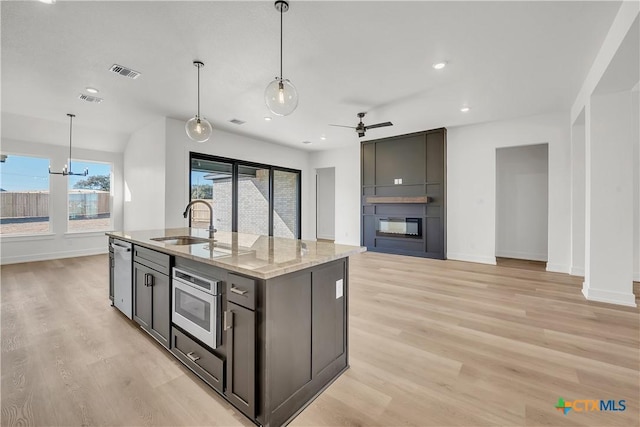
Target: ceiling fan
(361,128)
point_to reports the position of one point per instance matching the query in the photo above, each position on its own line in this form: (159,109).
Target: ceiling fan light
(198,129)
(281,97)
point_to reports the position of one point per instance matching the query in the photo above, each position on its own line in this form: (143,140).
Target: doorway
(326,204)
(522,202)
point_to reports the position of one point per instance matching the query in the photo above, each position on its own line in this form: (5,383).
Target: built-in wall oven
(197,306)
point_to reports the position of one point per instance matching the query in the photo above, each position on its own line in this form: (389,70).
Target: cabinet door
(161,308)
(241,358)
(142,296)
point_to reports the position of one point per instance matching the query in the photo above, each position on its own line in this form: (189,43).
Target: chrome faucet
(193,202)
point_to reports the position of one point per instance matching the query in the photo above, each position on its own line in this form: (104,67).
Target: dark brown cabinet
(240,324)
(152,293)
(204,363)
(404,194)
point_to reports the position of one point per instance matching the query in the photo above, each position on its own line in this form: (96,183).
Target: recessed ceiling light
(306,142)
(439,65)
(323,138)
(267,119)
(465,109)
(48,1)
(92,90)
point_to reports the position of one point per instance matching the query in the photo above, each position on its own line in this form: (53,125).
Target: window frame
(235,163)
(67,214)
(33,235)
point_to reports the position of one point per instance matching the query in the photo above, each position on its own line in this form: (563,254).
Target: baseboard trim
(472,258)
(522,255)
(52,255)
(576,271)
(619,298)
(557,268)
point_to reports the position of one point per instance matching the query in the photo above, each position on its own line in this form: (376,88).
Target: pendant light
(198,128)
(281,95)
(67,171)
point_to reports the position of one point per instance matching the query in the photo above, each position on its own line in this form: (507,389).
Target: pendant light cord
(198,67)
(281,13)
(70,130)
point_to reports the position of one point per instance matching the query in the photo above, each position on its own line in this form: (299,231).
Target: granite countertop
(258,256)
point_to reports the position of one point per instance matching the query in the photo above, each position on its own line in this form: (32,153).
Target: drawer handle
(193,357)
(238,291)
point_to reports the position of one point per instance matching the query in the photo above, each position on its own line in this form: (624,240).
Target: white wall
(577,196)
(224,144)
(326,203)
(609,199)
(635,114)
(346,162)
(522,184)
(471,190)
(144,172)
(58,243)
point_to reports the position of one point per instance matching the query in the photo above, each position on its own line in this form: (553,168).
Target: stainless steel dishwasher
(122,281)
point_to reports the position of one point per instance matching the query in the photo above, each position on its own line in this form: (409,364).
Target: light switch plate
(339,288)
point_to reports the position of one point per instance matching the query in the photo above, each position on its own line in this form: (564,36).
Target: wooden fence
(28,205)
(19,205)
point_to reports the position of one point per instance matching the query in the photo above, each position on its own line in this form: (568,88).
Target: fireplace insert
(399,227)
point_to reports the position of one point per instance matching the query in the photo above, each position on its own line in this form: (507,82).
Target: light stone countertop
(258,256)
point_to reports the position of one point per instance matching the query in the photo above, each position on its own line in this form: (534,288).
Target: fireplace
(399,227)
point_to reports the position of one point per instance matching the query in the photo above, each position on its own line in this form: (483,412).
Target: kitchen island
(270,330)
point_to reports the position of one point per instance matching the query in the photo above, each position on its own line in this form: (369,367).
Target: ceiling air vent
(124,71)
(90,98)
(237,122)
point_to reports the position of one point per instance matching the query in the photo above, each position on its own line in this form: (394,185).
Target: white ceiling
(505,59)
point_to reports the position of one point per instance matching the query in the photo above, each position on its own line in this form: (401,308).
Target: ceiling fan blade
(378,125)
(342,126)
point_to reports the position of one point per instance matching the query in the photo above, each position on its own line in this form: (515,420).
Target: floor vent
(237,121)
(124,71)
(90,98)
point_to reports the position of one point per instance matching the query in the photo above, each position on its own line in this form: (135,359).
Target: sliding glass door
(253,200)
(212,181)
(247,197)
(286,203)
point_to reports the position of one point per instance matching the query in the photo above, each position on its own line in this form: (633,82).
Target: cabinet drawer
(205,364)
(152,259)
(242,291)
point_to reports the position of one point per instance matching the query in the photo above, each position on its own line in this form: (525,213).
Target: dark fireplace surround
(404,194)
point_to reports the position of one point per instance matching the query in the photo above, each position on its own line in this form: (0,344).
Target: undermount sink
(181,240)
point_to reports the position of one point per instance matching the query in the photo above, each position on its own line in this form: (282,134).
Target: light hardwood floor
(432,343)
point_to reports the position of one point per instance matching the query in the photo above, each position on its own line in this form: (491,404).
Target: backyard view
(25,196)
(212,181)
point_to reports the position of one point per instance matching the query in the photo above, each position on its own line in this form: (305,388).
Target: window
(246,197)
(90,197)
(24,195)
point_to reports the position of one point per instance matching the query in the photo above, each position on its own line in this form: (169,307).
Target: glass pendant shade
(281,97)
(198,129)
